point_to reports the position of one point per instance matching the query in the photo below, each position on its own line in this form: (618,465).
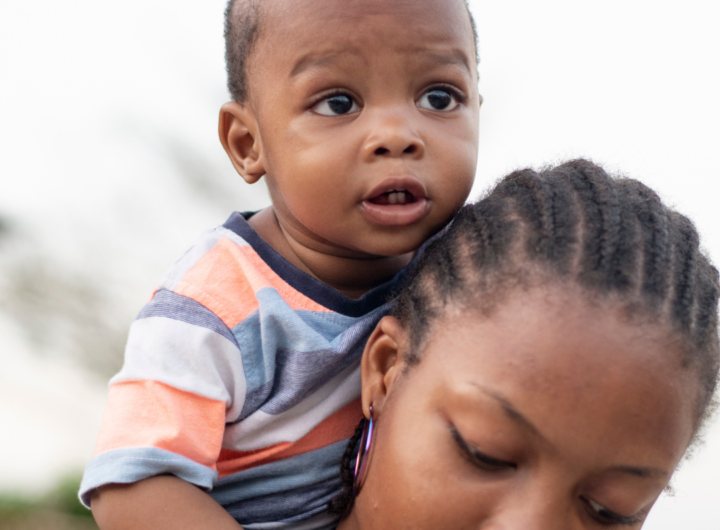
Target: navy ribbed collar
(311,287)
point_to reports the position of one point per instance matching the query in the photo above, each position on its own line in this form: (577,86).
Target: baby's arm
(158,503)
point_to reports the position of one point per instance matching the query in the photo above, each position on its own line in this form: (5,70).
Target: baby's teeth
(401,197)
(393,198)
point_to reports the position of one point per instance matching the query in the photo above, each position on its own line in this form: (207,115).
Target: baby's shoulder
(222,272)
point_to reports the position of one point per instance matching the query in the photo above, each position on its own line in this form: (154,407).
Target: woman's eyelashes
(337,104)
(480,460)
(608,518)
(442,99)
(595,510)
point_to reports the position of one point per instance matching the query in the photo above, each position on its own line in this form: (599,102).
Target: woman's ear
(382,363)
(239,135)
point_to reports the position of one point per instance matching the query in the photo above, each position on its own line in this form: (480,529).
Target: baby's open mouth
(394,197)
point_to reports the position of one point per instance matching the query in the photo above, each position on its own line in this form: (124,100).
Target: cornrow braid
(342,502)
(655,241)
(611,236)
(546,205)
(685,263)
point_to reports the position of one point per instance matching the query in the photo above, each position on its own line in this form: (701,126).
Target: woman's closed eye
(440,99)
(479,459)
(337,104)
(609,518)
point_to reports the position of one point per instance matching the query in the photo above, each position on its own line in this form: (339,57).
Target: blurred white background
(110,167)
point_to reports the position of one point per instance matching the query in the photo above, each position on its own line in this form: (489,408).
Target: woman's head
(549,363)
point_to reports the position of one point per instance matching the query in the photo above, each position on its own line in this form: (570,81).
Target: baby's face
(553,413)
(368,119)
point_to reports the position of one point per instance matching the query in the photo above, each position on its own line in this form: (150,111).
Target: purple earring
(363,452)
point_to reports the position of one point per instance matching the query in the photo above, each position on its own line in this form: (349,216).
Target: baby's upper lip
(410,184)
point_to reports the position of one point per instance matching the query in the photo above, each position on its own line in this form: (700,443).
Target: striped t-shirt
(241,376)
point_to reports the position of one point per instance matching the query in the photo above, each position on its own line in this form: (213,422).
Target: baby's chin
(388,243)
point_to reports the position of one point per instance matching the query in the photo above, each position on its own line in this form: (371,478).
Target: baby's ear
(239,134)
(382,363)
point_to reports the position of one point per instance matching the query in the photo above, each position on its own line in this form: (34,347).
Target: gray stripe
(288,474)
(278,383)
(300,374)
(290,490)
(177,307)
(297,505)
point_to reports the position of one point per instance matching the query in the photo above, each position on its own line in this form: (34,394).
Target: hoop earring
(363,451)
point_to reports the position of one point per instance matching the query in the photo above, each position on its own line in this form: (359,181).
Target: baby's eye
(438,99)
(336,105)
(609,518)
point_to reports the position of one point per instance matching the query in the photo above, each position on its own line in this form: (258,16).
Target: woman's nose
(393,134)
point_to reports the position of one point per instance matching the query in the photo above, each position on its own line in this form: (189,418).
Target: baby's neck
(351,276)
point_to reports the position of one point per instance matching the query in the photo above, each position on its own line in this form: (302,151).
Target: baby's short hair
(242,27)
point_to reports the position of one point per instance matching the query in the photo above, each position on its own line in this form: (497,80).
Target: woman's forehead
(570,367)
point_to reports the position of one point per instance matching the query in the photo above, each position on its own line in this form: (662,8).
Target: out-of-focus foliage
(58,510)
(72,310)
(61,311)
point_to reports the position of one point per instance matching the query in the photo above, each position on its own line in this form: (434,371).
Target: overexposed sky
(105,105)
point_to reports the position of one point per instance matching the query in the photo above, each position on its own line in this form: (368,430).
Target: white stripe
(207,242)
(319,521)
(188,357)
(262,430)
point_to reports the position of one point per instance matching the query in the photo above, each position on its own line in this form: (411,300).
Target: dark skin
(159,502)
(408,74)
(553,413)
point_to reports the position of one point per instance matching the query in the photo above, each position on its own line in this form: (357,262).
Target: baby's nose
(393,134)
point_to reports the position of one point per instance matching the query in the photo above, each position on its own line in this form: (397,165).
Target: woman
(549,364)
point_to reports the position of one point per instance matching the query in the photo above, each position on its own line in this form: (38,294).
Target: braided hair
(573,223)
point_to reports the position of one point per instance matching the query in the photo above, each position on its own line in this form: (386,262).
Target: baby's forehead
(314,21)
(255,28)
(369,27)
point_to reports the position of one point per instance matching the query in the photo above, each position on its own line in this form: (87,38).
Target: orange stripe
(333,429)
(261,275)
(152,414)
(226,279)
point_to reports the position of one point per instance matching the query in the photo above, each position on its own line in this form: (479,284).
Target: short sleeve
(167,408)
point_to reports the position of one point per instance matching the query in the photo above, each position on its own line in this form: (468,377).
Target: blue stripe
(177,307)
(297,471)
(287,355)
(294,506)
(124,466)
(289,490)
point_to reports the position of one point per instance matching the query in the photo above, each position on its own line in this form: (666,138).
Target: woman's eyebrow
(515,415)
(510,410)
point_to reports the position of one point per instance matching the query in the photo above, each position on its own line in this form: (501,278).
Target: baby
(241,375)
